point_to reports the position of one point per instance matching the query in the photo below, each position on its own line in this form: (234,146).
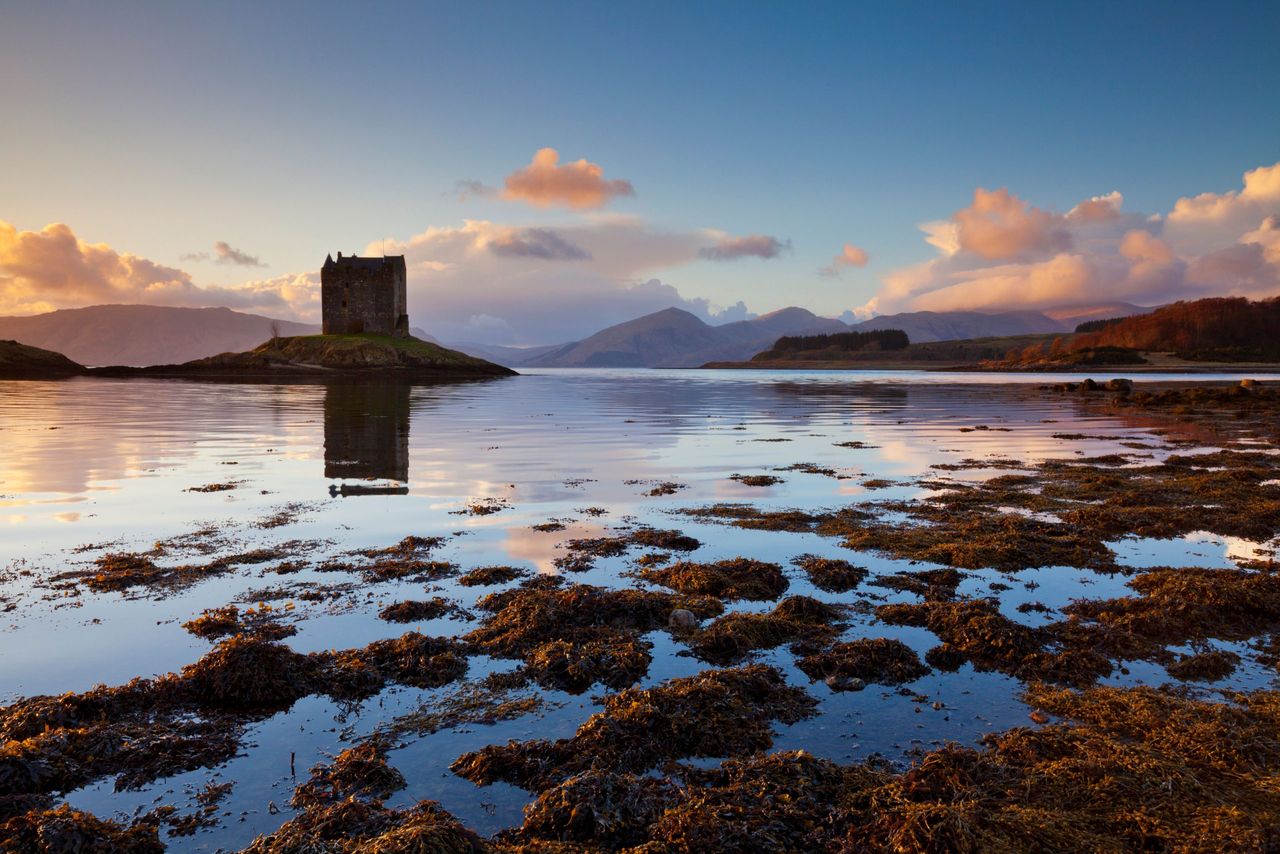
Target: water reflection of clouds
(110,431)
(541,548)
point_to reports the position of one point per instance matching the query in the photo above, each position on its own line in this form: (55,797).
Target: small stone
(1119,384)
(682,620)
(845,683)
(1249,384)
(1039,717)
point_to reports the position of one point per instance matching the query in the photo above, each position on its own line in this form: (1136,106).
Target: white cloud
(464,284)
(1001,253)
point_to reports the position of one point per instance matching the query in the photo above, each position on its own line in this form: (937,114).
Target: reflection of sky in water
(117,468)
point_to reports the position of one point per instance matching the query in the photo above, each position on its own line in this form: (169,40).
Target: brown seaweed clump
(716,713)
(736,578)
(582,553)
(415,610)
(245,672)
(883,660)
(69,831)
(778,802)
(529,616)
(831,574)
(974,630)
(1004,541)
(575,636)
(933,584)
(753,518)
(1207,666)
(153,728)
(598,807)
(411,659)
(488,575)
(354,826)
(361,771)
(343,813)
(222,622)
(1177,605)
(756,479)
(575,666)
(1133,769)
(730,638)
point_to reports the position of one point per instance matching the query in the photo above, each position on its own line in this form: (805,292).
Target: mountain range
(139,335)
(142,335)
(673,338)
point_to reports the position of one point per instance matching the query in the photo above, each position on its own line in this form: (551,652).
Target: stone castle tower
(364,295)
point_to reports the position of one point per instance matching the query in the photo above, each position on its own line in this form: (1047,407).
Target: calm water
(89,466)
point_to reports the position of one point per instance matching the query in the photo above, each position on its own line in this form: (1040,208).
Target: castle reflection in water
(366,438)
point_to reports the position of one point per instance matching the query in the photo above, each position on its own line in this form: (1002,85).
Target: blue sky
(292,131)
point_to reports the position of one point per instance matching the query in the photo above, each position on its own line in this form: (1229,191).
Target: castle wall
(363,295)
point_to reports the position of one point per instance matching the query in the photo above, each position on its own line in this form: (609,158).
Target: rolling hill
(925,326)
(674,338)
(144,334)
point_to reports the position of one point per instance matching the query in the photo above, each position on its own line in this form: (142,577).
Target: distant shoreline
(954,367)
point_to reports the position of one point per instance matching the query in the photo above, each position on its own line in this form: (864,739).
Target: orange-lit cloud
(850,256)
(999,226)
(580,185)
(53,268)
(1001,253)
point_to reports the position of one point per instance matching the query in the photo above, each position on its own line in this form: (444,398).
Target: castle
(364,295)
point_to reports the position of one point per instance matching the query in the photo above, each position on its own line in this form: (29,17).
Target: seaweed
(716,713)
(730,638)
(221,622)
(249,673)
(488,575)
(831,574)
(614,659)
(756,479)
(64,829)
(355,826)
(361,772)
(415,610)
(736,578)
(855,663)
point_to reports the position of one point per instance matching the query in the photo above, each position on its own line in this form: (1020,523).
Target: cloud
(466,284)
(1001,253)
(194,256)
(53,268)
(1203,222)
(1000,226)
(729,248)
(468,188)
(537,243)
(580,185)
(227,254)
(850,256)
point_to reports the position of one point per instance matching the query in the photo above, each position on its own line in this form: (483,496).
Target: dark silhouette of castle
(364,295)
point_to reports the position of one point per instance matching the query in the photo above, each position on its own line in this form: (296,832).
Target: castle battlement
(364,295)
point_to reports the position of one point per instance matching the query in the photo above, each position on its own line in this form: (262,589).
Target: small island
(23,362)
(365,332)
(322,356)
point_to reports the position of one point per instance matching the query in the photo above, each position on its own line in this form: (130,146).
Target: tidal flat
(641,610)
